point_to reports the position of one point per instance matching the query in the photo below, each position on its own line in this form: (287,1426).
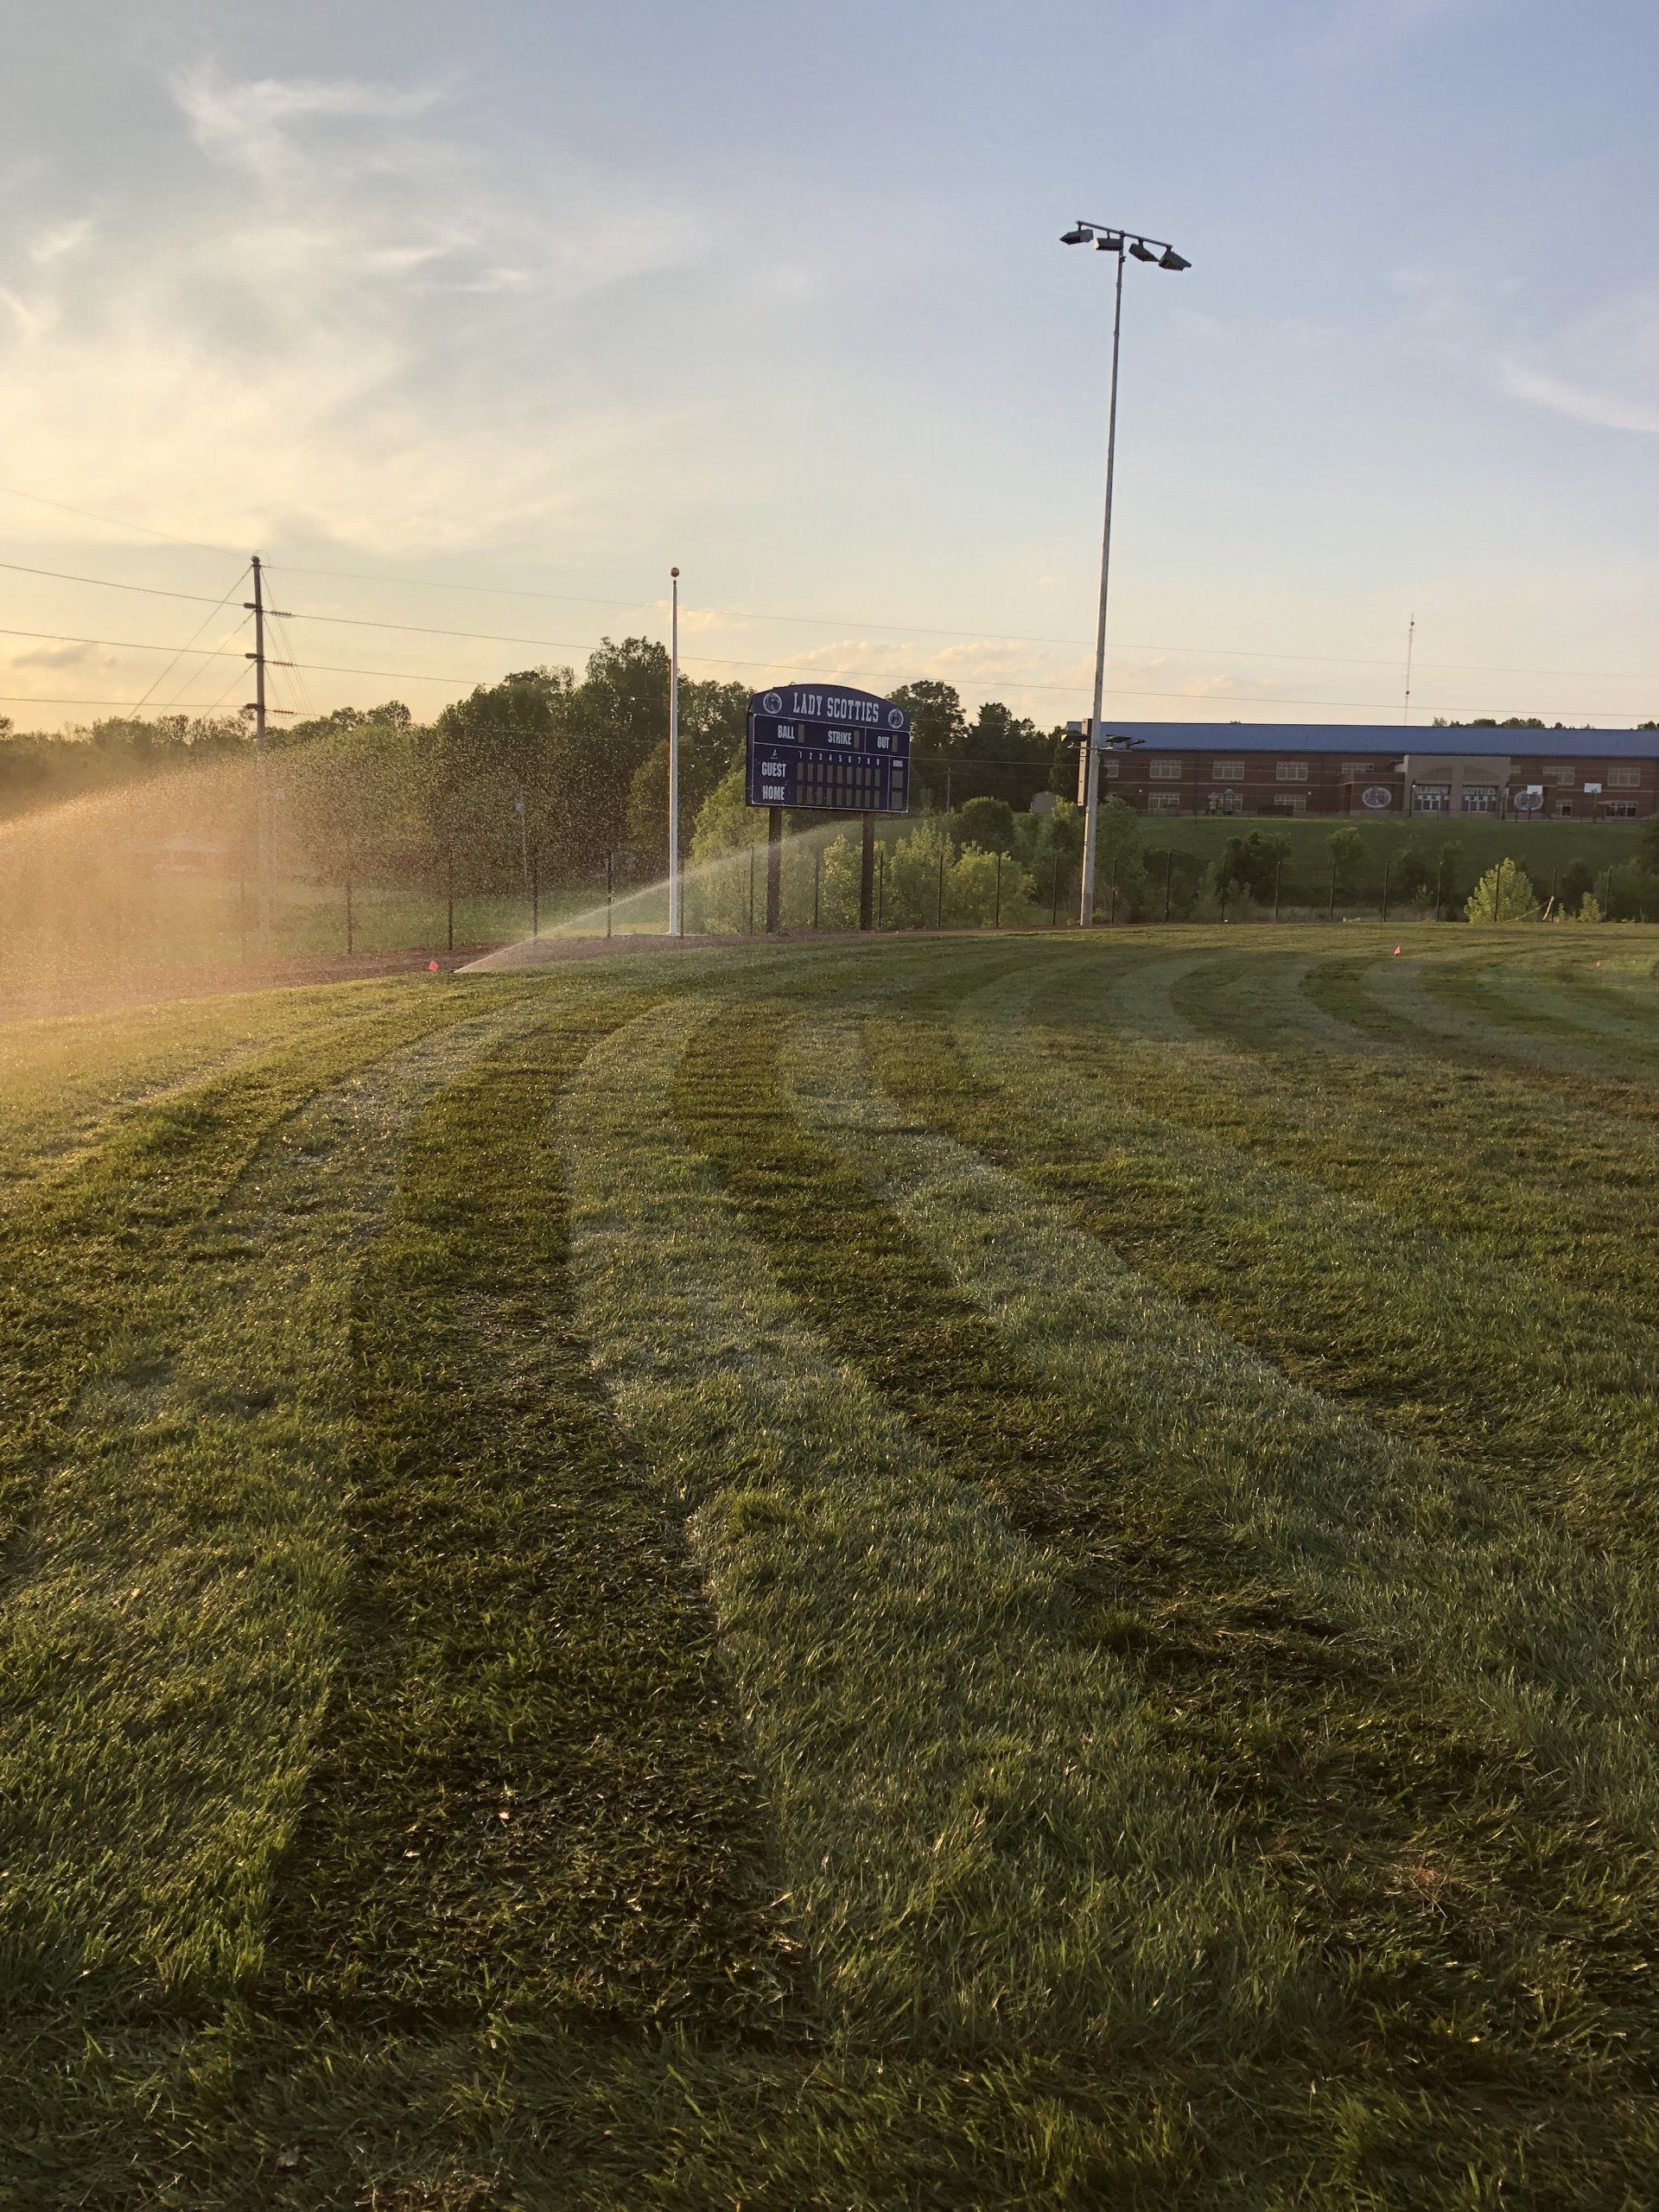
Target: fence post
(1331,910)
(996,909)
(1054,892)
(1385,893)
(610,873)
(866,874)
(817,871)
(1169,877)
(449,897)
(1278,871)
(351,945)
(938,907)
(535,894)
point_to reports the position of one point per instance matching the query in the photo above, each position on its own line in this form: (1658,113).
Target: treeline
(543,769)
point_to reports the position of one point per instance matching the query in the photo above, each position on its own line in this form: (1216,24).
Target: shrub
(1504,893)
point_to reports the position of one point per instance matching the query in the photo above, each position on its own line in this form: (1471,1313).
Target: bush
(1504,893)
(987,823)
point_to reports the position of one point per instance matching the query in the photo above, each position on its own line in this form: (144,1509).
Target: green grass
(1002,1573)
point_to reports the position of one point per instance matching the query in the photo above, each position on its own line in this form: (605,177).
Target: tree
(1589,909)
(1251,862)
(988,823)
(937,721)
(1347,850)
(1504,893)
(713,717)
(939,733)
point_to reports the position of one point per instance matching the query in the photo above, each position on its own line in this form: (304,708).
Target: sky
(477,318)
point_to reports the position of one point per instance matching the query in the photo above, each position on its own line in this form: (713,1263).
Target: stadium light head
(1111,243)
(1141,251)
(1173,260)
(1081,236)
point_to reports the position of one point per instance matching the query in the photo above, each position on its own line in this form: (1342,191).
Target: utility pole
(676,918)
(261,788)
(261,824)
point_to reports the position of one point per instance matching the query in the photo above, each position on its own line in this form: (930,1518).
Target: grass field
(946,1574)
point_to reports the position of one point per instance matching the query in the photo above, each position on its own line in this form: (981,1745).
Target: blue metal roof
(1358,740)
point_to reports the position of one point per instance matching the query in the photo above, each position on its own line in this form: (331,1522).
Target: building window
(1480,799)
(1431,798)
(1291,771)
(1225,802)
(1227,771)
(1163,802)
(1618,810)
(1623,779)
(1290,802)
(1109,764)
(1163,771)
(1353,770)
(1557,773)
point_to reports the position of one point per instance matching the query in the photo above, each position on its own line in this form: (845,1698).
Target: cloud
(58,657)
(1601,368)
(1584,404)
(61,239)
(373,339)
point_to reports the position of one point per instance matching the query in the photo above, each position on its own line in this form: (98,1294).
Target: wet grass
(1010,1575)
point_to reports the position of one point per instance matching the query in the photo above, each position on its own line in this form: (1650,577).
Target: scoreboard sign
(844,751)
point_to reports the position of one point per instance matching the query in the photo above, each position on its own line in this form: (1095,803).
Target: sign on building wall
(841,751)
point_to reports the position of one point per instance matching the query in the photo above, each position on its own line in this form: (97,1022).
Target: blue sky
(427,296)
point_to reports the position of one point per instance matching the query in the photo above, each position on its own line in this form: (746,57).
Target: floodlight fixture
(1111,243)
(1080,236)
(1171,259)
(1141,251)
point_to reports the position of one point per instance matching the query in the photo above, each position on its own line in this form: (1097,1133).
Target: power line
(748,615)
(48,699)
(144,528)
(558,644)
(195,633)
(109,583)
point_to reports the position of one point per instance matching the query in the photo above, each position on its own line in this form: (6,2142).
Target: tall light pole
(676,917)
(1125,244)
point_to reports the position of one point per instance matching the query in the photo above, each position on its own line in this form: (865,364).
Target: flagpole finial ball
(673,572)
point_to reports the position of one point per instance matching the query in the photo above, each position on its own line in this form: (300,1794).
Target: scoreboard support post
(774,868)
(866,876)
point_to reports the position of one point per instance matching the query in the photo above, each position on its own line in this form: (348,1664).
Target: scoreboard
(840,751)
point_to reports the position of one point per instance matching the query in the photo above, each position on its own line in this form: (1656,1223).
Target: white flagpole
(676,918)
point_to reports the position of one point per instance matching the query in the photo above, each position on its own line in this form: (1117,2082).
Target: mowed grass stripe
(66,1084)
(974,1844)
(1539,1641)
(164,1655)
(104,1253)
(1511,1174)
(533,1797)
(1429,1339)
(1389,1001)
(1258,1556)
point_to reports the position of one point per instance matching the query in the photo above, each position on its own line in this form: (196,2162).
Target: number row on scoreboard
(853,784)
